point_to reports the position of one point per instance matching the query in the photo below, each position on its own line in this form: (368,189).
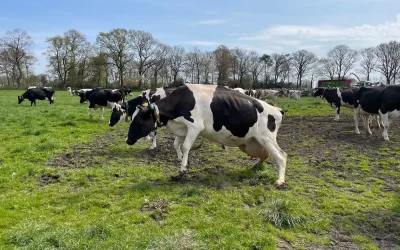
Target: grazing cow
(250,92)
(32,94)
(101,98)
(295,94)
(267,93)
(381,100)
(216,113)
(69,90)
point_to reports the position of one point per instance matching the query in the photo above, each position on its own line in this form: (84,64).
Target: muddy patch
(47,179)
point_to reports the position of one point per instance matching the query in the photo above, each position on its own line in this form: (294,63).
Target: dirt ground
(320,141)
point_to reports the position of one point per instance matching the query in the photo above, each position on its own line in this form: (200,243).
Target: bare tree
(176,61)
(266,60)
(117,46)
(255,66)
(343,58)
(159,60)
(278,61)
(207,63)
(368,61)
(302,61)
(327,68)
(223,59)
(145,47)
(242,58)
(16,49)
(388,57)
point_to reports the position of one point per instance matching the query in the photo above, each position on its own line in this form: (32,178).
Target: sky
(282,26)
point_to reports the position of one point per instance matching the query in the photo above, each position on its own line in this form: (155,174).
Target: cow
(69,90)
(250,92)
(127,91)
(32,94)
(82,94)
(101,98)
(381,100)
(295,94)
(267,93)
(336,98)
(216,113)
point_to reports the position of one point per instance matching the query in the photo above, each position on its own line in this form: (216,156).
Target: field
(71,182)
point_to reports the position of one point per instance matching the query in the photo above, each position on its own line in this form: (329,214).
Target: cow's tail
(201,142)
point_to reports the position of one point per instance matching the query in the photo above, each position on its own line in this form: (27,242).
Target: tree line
(135,58)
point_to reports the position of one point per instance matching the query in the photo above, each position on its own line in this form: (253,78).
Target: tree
(176,60)
(118,48)
(16,51)
(65,54)
(343,58)
(158,62)
(368,61)
(326,68)
(223,59)
(278,61)
(146,48)
(302,61)
(255,66)
(266,59)
(242,58)
(388,60)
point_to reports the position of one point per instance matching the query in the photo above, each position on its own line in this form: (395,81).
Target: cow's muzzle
(130,142)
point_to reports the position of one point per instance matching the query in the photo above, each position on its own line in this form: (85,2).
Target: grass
(113,196)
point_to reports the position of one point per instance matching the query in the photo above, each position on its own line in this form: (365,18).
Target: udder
(254,149)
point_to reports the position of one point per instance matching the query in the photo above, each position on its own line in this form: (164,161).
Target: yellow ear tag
(145,104)
(118,109)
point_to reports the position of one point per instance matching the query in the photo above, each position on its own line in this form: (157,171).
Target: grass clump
(283,213)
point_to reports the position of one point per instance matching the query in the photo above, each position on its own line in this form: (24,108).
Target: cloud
(202,43)
(212,22)
(358,36)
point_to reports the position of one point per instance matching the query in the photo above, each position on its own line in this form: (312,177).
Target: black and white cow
(337,98)
(216,113)
(101,98)
(127,91)
(381,100)
(32,94)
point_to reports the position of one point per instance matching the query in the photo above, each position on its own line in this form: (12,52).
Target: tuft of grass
(283,213)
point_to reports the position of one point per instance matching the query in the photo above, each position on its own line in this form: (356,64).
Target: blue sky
(265,26)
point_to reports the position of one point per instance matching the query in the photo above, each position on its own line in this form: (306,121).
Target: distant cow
(32,94)
(216,113)
(127,91)
(240,90)
(69,90)
(101,98)
(382,100)
(267,93)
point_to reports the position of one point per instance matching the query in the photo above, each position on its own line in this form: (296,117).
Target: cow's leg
(279,155)
(177,145)
(89,114)
(154,144)
(102,112)
(385,124)
(365,119)
(187,144)
(337,113)
(378,120)
(356,117)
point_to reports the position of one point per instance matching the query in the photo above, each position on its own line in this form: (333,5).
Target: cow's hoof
(151,148)
(279,183)
(183,172)
(357,132)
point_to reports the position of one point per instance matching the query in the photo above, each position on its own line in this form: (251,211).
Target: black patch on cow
(235,111)
(383,98)
(100,97)
(271,125)
(179,103)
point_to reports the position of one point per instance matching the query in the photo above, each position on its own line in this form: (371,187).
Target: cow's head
(143,123)
(20,99)
(318,92)
(118,113)
(82,96)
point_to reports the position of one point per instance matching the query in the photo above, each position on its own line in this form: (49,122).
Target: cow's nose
(129,142)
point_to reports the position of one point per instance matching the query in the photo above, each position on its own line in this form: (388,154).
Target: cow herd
(229,117)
